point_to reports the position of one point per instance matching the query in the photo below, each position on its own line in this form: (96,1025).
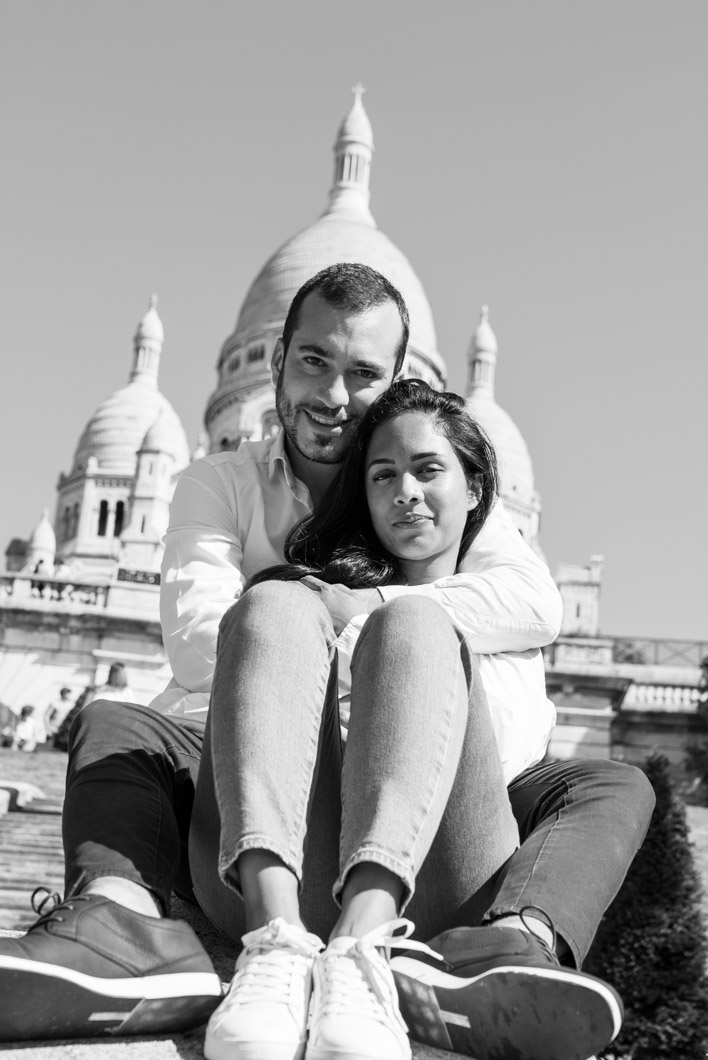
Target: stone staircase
(31,856)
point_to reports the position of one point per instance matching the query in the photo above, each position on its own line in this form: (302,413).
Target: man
(106,959)
(57,712)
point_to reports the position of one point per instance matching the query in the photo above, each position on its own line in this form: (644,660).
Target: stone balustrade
(22,590)
(661,697)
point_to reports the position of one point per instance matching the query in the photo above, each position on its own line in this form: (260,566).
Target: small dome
(117,429)
(150,328)
(160,437)
(43,538)
(515,468)
(484,340)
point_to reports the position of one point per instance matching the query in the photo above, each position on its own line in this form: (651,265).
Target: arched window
(102,518)
(65,524)
(74,521)
(120,515)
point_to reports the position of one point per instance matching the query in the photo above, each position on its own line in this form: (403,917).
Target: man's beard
(321,449)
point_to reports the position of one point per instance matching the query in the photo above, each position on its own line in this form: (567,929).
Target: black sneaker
(501,994)
(90,968)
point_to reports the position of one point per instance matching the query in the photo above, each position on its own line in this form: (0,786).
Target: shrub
(652,946)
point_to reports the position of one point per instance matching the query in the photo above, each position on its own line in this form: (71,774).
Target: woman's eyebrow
(414,456)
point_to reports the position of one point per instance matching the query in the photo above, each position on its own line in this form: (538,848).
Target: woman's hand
(342,603)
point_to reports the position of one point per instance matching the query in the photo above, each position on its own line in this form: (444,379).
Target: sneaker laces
(274,963)
(362,985)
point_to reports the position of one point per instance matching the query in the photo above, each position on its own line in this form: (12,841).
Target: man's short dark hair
(353,287)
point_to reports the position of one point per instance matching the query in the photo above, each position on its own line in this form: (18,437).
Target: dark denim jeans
(130,792)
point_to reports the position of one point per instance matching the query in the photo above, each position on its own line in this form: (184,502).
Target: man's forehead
(378,327)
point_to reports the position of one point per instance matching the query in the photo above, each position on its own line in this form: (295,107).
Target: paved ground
(31,855)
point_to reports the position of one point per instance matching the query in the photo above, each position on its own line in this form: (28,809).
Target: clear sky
(547,158)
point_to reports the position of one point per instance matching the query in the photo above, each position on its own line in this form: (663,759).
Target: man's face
(337,363)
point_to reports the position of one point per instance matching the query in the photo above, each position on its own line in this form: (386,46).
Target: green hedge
(652,942)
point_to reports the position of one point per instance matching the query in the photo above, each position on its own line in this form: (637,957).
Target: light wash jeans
(416,790)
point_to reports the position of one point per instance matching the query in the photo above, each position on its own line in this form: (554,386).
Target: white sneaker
(355,1013)
(264,1014)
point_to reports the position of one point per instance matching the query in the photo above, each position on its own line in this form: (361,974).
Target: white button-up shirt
(229,518)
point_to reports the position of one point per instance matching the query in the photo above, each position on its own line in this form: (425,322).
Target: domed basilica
(104,545)
(82,592)
(112,507)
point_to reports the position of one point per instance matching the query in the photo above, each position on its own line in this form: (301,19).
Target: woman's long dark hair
(337,543)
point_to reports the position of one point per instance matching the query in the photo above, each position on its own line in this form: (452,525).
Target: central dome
(334,238)
(243,405)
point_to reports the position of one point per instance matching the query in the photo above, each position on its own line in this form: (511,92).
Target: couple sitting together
(370,775)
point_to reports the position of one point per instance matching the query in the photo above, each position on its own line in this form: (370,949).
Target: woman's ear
(474,491)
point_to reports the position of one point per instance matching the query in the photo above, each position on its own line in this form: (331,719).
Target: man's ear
(276,361)
(474,492)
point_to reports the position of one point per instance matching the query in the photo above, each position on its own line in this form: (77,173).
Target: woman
(421,750)
(116,687)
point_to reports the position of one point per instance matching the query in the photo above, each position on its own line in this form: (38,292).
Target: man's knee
(105,726)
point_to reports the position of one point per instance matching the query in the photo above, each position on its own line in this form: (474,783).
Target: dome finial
(353,151)
(482,357)
(147,344)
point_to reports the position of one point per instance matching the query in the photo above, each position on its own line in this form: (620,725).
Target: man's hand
(342,603)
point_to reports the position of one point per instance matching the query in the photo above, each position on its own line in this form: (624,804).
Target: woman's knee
(271,605)
(415,614)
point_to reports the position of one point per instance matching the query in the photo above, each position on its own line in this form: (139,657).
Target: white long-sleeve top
(229,518)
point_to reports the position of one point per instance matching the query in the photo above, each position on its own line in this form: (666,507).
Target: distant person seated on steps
(116,688)
(29,731)
(132,770)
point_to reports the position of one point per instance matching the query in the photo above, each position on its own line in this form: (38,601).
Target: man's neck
(314,475)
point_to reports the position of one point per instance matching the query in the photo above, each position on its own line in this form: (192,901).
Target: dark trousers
(130,792)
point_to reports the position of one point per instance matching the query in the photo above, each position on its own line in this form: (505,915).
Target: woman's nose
(408,490)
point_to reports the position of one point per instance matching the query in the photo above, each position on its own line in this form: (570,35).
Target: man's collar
(278,456)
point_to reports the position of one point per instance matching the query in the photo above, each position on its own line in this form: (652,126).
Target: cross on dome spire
(358,91)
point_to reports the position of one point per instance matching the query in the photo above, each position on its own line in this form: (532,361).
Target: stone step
(21,793)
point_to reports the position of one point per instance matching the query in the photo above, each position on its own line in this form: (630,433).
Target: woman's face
(418,496)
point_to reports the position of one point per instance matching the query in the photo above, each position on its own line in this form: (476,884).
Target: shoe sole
(215,1049)
(510,1012)
(44,1001)
(331,1054)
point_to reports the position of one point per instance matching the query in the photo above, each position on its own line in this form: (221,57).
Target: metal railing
(651,651)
